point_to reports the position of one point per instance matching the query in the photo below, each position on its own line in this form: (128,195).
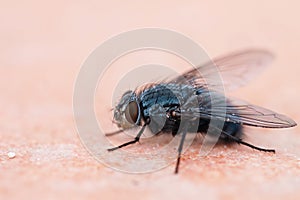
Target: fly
(162,106)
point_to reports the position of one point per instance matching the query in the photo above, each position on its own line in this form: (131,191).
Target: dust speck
(11,154)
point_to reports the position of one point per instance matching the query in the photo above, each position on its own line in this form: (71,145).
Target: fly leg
(136,139)
(240,141)
(180,148)
(116,132)
(113,133)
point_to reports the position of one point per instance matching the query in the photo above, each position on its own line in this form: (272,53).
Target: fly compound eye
(132,112)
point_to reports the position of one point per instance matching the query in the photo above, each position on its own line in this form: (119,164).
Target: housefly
(162,106)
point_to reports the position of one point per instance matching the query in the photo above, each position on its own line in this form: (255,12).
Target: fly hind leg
(232,132)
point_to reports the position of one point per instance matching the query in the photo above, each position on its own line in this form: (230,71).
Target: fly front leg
(136,139)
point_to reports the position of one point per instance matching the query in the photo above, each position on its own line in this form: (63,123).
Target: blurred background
(44,43)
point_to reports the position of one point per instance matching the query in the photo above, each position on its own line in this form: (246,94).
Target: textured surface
(42,47)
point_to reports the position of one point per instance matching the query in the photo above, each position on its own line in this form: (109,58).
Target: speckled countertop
(43,45)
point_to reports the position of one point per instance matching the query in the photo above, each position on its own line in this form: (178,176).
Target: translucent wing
(252,115)
(241,112)
(236,69)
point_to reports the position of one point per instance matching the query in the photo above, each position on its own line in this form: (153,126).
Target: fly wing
(241,112)
(236,69)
